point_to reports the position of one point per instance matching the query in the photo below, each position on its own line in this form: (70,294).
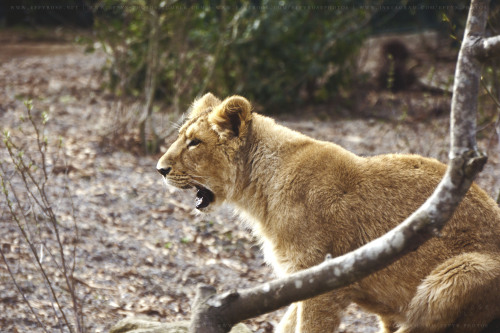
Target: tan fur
(305,198)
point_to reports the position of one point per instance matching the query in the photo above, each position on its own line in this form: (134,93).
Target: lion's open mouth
(204,197)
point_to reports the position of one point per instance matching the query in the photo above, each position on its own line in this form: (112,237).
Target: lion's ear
(231,116)
(201,104)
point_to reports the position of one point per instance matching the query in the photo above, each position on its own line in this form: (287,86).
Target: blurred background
(92,93)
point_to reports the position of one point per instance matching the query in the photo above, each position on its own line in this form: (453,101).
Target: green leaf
(45,117)
(29,104)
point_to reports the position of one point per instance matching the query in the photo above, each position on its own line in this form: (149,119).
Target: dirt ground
(139,247)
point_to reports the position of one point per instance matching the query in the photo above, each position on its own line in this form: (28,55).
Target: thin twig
(21,292)
(32,248)
(493,97)
(38,197)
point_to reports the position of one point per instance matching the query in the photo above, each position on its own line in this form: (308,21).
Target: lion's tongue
(203,198)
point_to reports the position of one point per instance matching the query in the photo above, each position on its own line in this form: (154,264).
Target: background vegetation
(275,54)
(281,55)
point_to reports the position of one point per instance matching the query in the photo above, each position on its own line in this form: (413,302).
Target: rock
(144,325)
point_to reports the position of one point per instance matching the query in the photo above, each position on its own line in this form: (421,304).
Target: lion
(305,199)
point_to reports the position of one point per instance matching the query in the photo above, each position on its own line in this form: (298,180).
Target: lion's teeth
(199,201)
(203,197)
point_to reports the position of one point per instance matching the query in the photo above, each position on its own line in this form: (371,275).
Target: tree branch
(487,48)
(466,84)
(214,313)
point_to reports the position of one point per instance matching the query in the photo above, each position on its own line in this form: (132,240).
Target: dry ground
(139,247)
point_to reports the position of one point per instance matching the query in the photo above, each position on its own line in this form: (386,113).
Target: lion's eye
(194,143)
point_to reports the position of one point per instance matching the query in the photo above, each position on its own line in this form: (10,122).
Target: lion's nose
(164,171)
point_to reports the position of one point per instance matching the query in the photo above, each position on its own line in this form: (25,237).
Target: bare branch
(21,292)
(466,85)
(487,48)
(23,210)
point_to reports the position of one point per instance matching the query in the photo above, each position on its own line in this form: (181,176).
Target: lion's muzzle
(164,172)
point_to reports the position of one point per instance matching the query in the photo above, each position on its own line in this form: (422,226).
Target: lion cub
(305,198)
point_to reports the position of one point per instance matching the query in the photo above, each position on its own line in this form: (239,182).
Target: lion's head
(203,155)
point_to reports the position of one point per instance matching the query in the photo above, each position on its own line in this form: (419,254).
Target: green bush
(288,54)
(274,53)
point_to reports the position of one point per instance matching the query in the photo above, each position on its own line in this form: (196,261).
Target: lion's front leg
(320,314)
(288,322)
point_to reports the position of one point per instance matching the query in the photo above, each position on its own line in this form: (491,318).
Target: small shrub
(28,159)
(275,54)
